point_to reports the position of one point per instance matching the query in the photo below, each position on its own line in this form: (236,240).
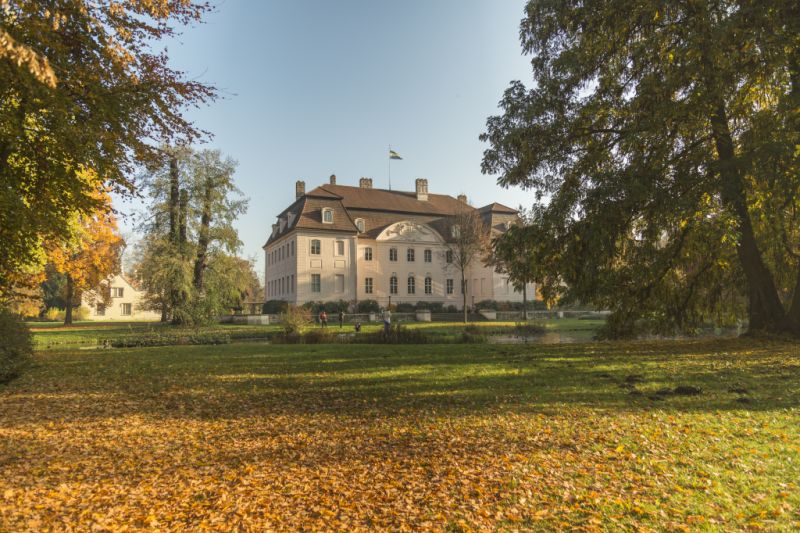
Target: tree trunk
(184,219)
(464,296)
(174,229)
(203,237)
(791,321)
(525,301)
(174,193)
(765,309)
(70,297)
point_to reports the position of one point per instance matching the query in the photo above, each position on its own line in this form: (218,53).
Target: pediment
(408,231)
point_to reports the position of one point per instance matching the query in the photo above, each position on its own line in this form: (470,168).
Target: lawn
(448,437)
(48,335)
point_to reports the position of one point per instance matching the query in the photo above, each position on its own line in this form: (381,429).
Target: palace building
(339,242)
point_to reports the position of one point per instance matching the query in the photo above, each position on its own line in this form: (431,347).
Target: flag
(394,155)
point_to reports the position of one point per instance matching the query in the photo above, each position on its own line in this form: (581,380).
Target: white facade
(124,303)
(405,263)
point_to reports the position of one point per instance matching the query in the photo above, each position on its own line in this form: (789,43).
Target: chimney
(422,189)
(333,179)
(299,189)
(462,198)
(274,229)
(365,183)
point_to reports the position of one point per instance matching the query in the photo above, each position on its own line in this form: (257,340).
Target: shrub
(451,309)
(295,319)
(167,338)
(81,313)
(54,314)
(16,347)
(333,308)
(398,334)
(405,308)
(318,336)
(368,306)
(436,307)
(274,307)
(487,304)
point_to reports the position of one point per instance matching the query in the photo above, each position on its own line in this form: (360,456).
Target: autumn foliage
(241,437)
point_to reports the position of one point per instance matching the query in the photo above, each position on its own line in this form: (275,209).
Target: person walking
(323,318)
(387,322)
(341,318)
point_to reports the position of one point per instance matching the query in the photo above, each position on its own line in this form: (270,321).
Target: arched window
(412,285)
(327,215)
(393,285)
(428,285)
(360,225)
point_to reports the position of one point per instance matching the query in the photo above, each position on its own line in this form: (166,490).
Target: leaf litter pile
(681,435)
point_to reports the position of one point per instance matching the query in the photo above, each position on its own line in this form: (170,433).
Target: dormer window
(360,225)
(282,224)
(327,215)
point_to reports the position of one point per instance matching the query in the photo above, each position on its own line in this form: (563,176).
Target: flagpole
(390,167)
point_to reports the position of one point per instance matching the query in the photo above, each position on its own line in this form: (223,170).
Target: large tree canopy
(83,87)
(661,139)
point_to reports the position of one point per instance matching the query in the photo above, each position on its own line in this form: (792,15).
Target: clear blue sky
(318,87)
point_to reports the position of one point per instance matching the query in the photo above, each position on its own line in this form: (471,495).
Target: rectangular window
(449,256)
(327,216)
(117,292)
(410,255)
(412,285)
(101,310)
(339,283)
(428,256)
(393,285)
(127,309)
(392,254)
(428,286)
(339,247)
(368,254)
(368,285)
(316,284)
(316,247)
(449,286)
(291,248)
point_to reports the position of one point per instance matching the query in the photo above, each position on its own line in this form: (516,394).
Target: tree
(89,259)
(82,86)
(512,253)
(660,139)
(217,203)
(186,262)
(468,241)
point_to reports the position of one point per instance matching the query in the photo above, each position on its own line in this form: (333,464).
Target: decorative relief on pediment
(409,231)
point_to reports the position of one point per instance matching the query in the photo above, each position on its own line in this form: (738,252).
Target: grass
(48,335)
(448,437)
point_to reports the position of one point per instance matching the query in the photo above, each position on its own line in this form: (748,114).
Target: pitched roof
(307,214)
(386,200)
(497,208)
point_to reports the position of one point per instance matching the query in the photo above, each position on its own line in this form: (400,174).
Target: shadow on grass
(247,380)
